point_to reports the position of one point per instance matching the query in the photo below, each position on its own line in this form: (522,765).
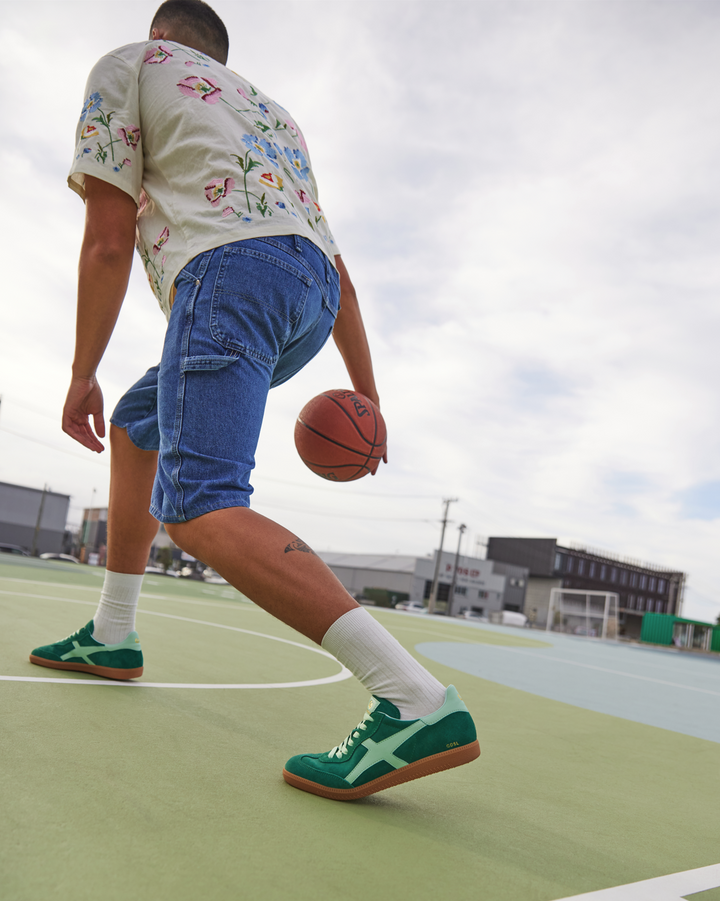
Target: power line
(313,488)
(333,515)
(58,450)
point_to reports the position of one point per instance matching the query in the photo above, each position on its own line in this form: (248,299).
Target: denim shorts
(247,316)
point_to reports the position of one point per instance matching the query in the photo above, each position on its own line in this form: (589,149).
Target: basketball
(340,435)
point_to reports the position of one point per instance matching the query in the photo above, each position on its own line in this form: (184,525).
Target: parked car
(471,614)
(213,577)
(508,618)
(13,549)
(411,607)
(159,571)
(65,558)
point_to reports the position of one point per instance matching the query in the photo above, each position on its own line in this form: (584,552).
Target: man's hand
(84,400)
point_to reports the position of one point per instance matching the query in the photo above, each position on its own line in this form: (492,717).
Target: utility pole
(461,529)
(433,593)
(37,524)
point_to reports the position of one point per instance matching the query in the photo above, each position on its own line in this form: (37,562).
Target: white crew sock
(115,616)
(382,664)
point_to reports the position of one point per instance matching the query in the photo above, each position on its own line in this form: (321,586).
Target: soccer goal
(591,613)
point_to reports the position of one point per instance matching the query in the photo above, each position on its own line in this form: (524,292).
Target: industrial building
(641,587)
(464,583)
(33,518)
(93,536)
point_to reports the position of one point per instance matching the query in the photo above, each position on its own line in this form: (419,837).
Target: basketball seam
(354,424)
(375,425)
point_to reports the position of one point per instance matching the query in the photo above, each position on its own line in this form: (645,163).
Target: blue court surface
(658,687)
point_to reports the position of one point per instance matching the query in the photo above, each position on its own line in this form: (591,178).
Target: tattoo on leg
(299,545)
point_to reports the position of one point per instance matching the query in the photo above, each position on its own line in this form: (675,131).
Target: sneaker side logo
(82,652)
(384,750)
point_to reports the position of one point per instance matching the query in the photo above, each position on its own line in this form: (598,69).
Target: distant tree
(165,558)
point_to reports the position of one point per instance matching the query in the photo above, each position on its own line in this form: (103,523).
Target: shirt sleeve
(108,143)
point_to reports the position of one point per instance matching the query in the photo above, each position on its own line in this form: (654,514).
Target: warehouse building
(464,583)
(32,518)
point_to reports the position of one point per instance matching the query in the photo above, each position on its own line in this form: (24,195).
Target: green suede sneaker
(384,750)
(82,653)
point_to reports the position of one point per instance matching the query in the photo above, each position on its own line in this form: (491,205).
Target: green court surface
(172,789)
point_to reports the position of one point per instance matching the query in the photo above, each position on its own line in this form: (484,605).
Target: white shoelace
(344,746)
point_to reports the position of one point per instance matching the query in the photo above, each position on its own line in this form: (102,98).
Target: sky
(526,197)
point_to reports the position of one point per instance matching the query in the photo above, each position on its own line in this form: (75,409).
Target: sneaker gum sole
(445,760)
(108,672)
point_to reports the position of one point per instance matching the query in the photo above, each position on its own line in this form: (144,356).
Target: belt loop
(298,243)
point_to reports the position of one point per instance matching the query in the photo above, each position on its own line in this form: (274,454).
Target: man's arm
(351,340)
(103,273)
(350,337)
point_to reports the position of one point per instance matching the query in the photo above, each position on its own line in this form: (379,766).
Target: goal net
(577,612)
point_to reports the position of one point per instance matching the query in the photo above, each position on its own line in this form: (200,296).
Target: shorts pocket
(257,299)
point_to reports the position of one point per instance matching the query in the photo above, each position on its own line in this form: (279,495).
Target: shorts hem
(210,508)
(127,427)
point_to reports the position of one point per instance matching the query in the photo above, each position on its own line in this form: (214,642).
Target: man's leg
(206,456)
(413,726)
(281,574)
(131,530)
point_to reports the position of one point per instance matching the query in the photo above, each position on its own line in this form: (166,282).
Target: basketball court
(598,774)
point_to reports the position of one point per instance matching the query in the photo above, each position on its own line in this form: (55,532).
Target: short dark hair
(194,18)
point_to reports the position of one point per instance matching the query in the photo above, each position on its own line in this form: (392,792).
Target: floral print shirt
(208,158)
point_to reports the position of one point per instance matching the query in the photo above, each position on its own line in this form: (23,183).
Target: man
(216,178)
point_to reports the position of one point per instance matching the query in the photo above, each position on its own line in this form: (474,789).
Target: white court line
(338,677)
(602,669)
(230,603)
(663,888)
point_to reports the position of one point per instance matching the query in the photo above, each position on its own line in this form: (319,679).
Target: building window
(640,602)
(558,562)
(651,583)
(659,607)
(482,594)
(603,572)
(613,575)
(591,571)
(631,601)
(568,564)
(650,605)
(661,586)
(623,577)
(581,567)
(643,582)
(461,590)
(633,580)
